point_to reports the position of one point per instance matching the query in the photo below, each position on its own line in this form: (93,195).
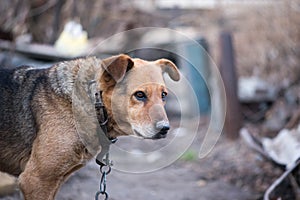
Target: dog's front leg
(52,160)
(36,187)
(41,180)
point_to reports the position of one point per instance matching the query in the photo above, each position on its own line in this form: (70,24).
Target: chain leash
(102,158)
(105,169)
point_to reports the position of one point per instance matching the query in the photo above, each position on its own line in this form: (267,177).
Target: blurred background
(255,45)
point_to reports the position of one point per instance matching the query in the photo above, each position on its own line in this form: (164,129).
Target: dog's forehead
(145,72)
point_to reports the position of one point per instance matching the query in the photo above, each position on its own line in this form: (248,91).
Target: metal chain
(102,158)
(105,170)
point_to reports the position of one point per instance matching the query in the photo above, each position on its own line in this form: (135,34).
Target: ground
(231,171)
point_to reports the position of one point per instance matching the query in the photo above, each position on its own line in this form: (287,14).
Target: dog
(38,137)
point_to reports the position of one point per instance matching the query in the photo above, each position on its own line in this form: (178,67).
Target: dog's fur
(38,138)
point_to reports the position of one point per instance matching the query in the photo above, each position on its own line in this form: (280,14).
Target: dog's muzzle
(162,127)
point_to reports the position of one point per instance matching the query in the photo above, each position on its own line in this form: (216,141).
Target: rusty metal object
(233,120)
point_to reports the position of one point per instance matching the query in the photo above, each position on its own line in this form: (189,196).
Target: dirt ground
(230,172)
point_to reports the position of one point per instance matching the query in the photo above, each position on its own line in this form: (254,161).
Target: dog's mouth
(159,135)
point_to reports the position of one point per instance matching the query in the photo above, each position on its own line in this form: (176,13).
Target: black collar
(102,118)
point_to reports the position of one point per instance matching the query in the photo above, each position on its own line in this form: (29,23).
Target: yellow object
(72,41)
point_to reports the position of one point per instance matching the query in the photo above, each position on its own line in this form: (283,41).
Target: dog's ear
(117,66)
(170,68)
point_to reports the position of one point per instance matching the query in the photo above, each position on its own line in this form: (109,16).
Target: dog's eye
(164,95)
(141,96)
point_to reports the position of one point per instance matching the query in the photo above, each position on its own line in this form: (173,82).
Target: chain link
(102,158)
(105,170)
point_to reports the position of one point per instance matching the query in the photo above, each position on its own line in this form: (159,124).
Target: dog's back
(17,121)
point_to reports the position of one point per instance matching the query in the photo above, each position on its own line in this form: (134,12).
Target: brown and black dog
(38,137)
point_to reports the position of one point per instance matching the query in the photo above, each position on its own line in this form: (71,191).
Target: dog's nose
(163,126)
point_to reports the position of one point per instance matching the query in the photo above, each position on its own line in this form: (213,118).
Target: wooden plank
(38,51)
(49,53)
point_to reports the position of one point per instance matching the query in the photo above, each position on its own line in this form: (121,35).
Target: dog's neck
(64,75)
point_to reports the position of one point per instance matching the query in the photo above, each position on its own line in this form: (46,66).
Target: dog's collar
(101,112)
(102,118)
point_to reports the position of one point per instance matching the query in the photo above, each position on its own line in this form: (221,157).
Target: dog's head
(134,94)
